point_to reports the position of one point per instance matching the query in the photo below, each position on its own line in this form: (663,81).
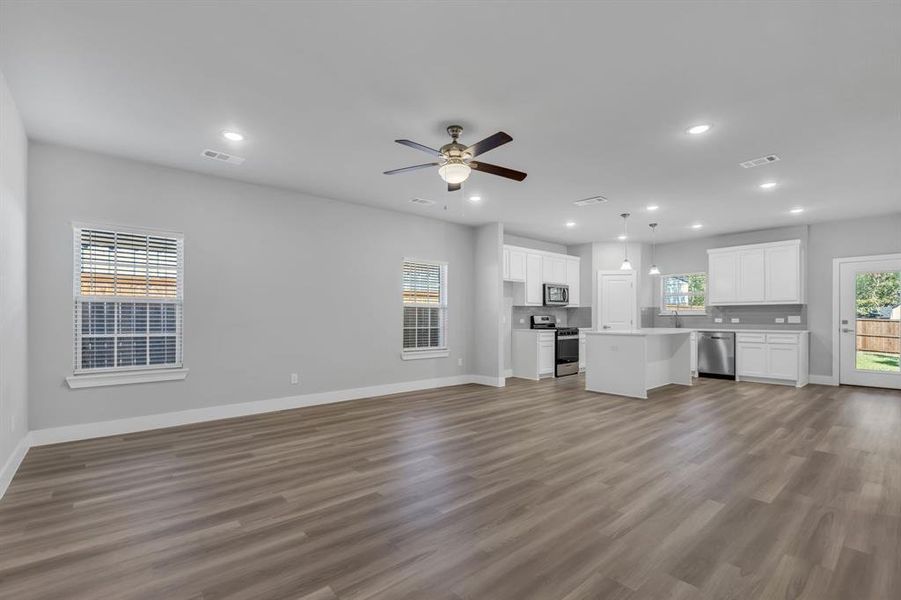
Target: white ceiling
(597,97)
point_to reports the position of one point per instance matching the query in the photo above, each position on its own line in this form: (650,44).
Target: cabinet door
(694,352)
(751,276)
(533,280)
(573,280)
(583,346)
(722,277)
(783,274)
(517,265)
(752,360)
(553,269)
(506,264)
(782,361)
(545,357)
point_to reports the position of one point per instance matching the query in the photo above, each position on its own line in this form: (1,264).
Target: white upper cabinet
(534,268)
(756,274)
(517,270)
(534,291)
(722,277)
(783,274)
(553,268)
(573,278)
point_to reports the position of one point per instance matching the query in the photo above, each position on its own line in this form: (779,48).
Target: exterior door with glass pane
(870,323)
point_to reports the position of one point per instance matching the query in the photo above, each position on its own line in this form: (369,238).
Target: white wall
(275,282)
(489,303)
(13,285)
(839,239)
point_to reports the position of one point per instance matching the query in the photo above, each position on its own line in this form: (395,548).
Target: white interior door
(870,323)
(616,300)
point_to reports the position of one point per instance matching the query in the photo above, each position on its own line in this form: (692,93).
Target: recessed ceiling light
(651,207)
(570,224)
(233,136)
(696,225)
(768,185)
(797,210)
(622,237)
(475,198)
(699,129)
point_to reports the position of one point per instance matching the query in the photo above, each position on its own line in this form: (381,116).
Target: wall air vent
(590,201)
(222,157)
(756,162)
(422,201)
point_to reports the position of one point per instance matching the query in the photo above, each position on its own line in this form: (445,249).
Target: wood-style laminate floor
(536,491)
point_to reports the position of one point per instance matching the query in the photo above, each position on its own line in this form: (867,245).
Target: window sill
(89,380)
(420,354)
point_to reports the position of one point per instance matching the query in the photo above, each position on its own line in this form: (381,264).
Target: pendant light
(626,266)
(653,270)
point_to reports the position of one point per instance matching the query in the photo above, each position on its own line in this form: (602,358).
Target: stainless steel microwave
(556,295)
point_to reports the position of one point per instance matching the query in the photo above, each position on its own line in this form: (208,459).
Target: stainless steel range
(566,348)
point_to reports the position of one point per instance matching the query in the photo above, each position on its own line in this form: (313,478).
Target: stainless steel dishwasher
(716,354)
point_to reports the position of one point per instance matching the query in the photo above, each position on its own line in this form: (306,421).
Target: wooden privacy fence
(879,335)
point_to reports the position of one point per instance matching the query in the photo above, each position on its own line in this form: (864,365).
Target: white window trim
(682,313)
(424,353)
(125,375)
(90,380)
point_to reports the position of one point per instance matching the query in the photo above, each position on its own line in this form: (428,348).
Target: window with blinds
(128,300)
(425,306)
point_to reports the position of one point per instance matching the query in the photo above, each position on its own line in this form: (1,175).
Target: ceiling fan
(455,161)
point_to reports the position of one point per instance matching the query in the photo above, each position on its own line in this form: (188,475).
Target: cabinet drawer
(754,338)
(546,337)
(782,338)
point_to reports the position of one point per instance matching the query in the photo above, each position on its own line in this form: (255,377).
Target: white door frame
(836,305)
(596,310)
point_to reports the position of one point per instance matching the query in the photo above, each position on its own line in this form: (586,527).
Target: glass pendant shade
(626,266)
(454,172)
(653,270)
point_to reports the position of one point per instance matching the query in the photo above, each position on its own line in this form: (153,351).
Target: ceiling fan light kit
(455,162)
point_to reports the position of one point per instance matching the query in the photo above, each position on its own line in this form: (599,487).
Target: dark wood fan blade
(418,146)
(496,170)
(489,143)
(413,168)
(453,187)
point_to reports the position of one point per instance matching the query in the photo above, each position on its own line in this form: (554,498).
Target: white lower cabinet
(583,345)
(533,353)
(775,356)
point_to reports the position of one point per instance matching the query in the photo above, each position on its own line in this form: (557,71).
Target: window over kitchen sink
(684,293)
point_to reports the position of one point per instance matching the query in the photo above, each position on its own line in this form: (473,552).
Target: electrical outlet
(295,378)
(718,320)
(794,318)
(780,320)
(521,321)
(735,320)
(459,362)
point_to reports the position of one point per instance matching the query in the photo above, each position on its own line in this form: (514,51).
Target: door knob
(846,330)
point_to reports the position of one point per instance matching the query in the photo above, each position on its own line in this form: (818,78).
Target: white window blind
(128,300)
(425,306)
(683,293)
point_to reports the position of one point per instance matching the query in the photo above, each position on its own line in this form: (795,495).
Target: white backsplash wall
(750,317)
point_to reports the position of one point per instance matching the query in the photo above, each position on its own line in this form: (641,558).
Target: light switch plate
(794,318)
(718,320)
(735,320)
(780,320)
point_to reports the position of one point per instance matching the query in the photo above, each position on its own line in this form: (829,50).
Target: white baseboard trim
(13,462)
(508,373)
(823,379)
(70,433)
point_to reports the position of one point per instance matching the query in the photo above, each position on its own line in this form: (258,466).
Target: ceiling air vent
(222,157)
(590,201)
(422,201)
(763,160)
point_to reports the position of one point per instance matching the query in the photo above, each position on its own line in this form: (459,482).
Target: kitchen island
(631,362)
